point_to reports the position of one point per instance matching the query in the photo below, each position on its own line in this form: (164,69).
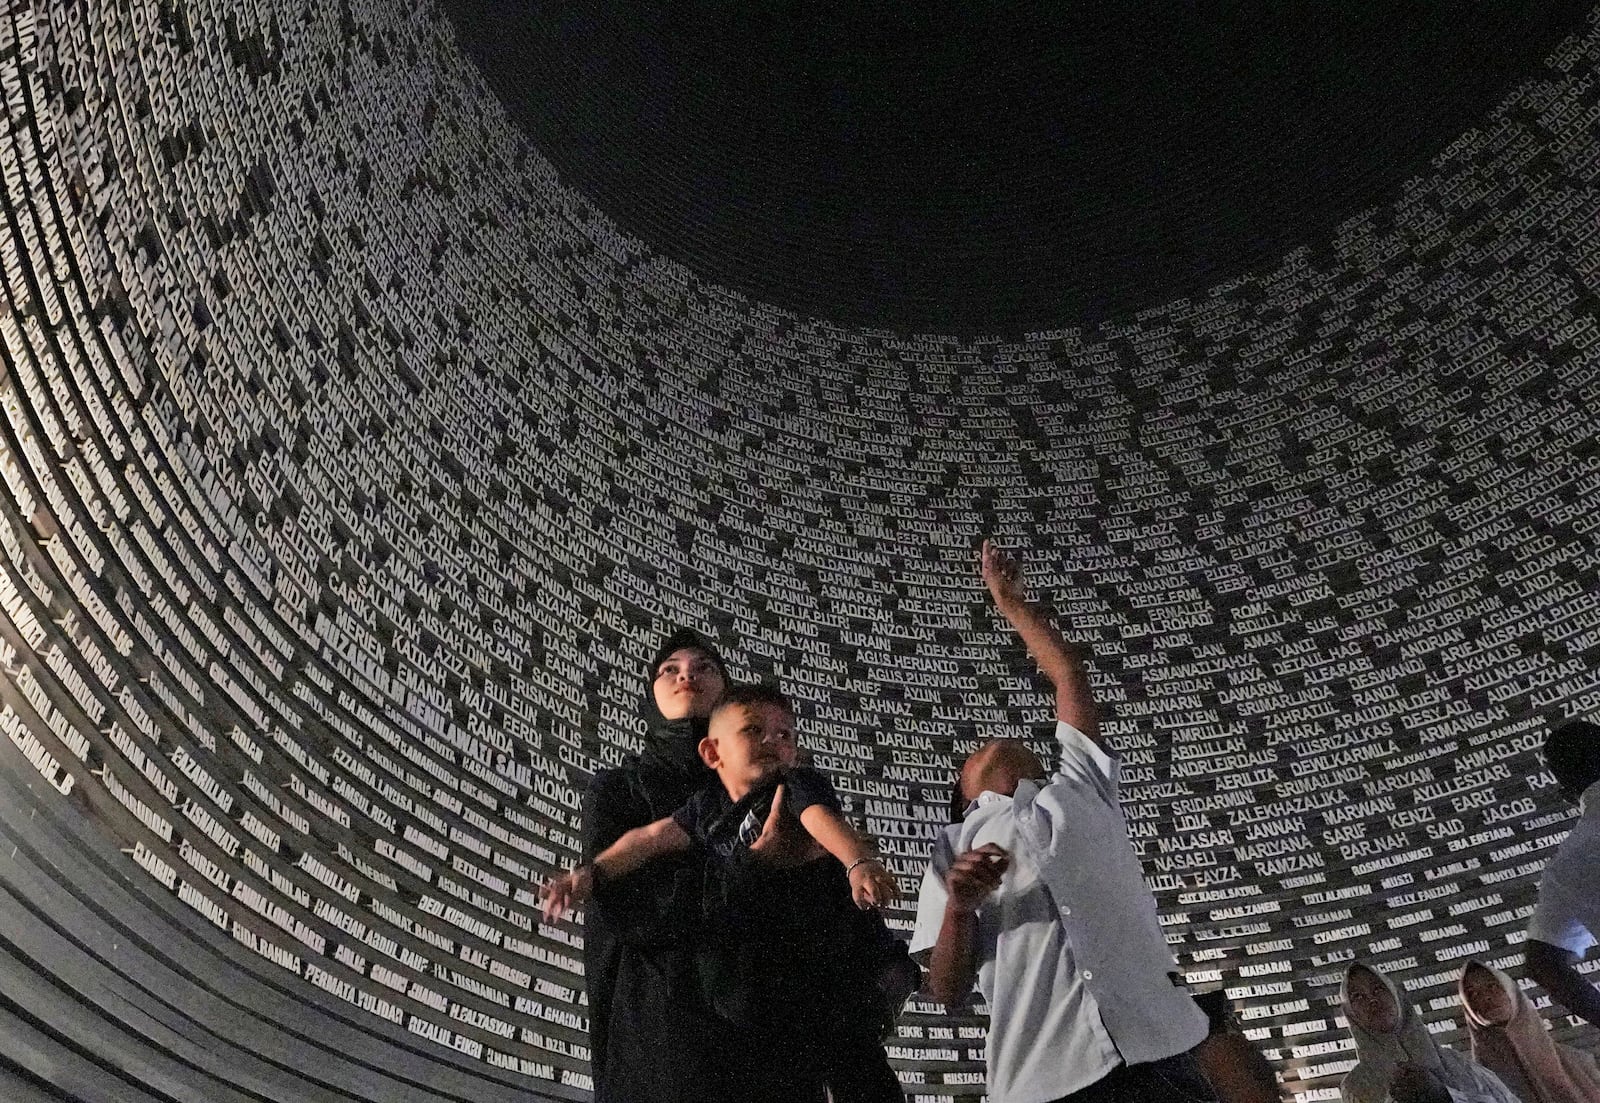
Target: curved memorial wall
(353,466)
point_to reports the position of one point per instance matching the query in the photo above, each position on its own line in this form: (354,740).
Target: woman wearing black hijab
(651,1038)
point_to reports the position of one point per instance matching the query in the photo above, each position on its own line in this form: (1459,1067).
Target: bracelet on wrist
(851,868)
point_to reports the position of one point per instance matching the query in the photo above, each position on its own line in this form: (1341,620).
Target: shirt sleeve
(1470,1082)
(656,905)
(1561,918)
(1083,757)
(692,817)
(933,896)
(1086,771)
(804,787)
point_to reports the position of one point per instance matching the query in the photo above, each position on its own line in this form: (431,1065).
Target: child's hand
(872,886)
(559,895)
(782,843)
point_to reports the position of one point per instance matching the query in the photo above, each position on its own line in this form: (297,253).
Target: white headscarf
(1379,1056)
(1522,1053)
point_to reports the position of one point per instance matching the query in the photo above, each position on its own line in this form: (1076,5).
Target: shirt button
(1066,911)
(1088,974)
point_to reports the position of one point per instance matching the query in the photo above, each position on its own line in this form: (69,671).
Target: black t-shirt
(722,825)
(790,958)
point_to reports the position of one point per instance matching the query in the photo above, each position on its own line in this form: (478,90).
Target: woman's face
(687,684)
(1370,1005)
(1486,995)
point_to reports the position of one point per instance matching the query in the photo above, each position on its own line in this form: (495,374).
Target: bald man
(1036,894)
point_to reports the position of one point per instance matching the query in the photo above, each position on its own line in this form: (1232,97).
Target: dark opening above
(995,167)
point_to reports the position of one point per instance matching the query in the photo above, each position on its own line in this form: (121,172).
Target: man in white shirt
(1566,923)
(1038,896)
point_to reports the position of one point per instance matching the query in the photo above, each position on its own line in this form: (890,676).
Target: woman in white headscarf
(1509,1039)
(1397,1059)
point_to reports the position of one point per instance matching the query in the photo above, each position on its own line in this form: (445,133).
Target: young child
(1036,896)
(751,746)
(795,964)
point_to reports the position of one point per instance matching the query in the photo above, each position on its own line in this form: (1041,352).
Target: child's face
(1485,995)
(1371,1005)
(749,743)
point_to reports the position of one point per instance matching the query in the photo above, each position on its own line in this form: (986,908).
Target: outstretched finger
(993,558)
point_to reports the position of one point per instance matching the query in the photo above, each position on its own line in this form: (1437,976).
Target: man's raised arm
(1556,970)
(1058,660)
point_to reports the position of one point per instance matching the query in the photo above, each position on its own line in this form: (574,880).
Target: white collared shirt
(1568,914)
(1072,960)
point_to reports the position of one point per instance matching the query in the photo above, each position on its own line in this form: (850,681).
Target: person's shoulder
(1076,744)
(1579,849)
(625,774)
(708,798)
(615,783)
(808,775)
(807,785)
(1359,1085)
(946,845)
(1468,1074)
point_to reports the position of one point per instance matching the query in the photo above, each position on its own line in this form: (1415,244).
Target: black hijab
(673,746)
(650,1037)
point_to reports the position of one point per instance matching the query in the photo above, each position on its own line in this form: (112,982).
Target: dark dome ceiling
(972,167)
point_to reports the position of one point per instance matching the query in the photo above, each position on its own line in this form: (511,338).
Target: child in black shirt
(794,963)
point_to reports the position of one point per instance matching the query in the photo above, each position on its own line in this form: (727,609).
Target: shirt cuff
(1571,936)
